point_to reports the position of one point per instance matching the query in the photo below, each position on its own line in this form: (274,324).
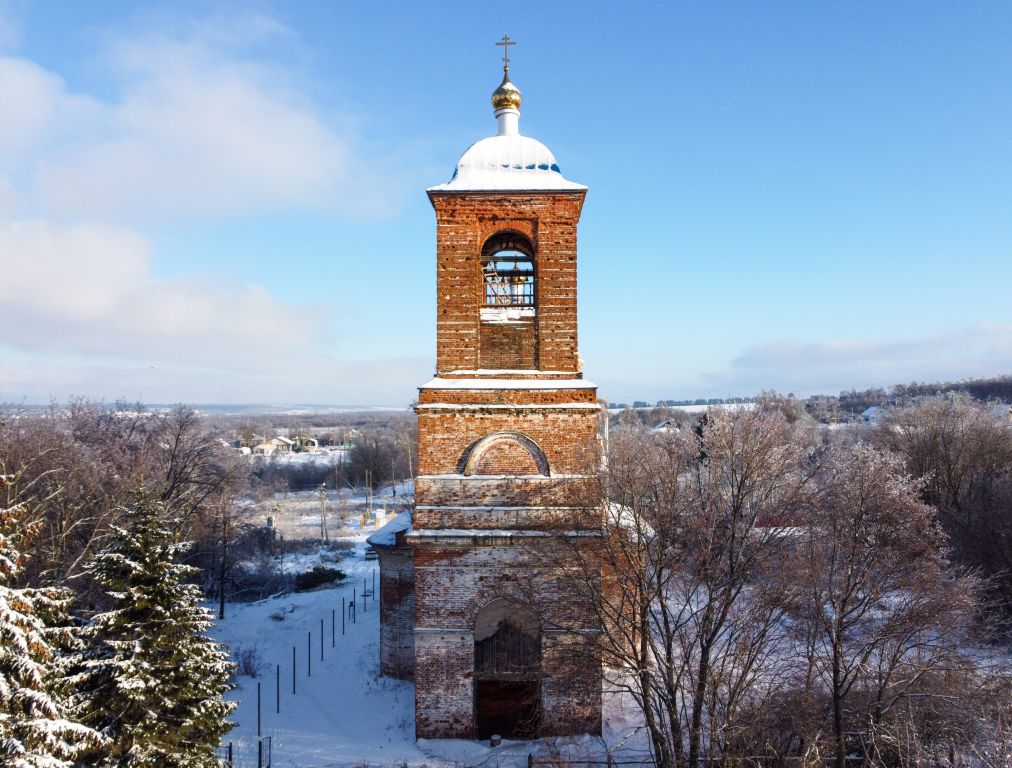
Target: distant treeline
(993,388)
(855,400)
(684,403)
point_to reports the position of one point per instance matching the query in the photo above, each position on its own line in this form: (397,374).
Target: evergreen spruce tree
(151,680)
(35,730)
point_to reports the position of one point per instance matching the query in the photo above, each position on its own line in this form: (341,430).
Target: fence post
(260,754)
(321,639)
(258,708)
(293,670)
(343,611)
(277,688)
(530,760)
(309,654)
(333,638)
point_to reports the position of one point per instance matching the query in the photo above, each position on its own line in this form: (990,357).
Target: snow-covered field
(344,713)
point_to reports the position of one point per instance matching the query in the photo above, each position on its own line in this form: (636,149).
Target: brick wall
(397,611)
(571,685)
(444,684)
(519,492)
(518,396)
(455,579)
(464,223)
(567,437)
(544,518)
(508,345)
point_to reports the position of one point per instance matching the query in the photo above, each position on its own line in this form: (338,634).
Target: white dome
(507,162)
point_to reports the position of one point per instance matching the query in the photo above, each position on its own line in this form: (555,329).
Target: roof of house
(387,535)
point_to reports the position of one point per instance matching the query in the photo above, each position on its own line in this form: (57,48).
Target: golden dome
(507,95)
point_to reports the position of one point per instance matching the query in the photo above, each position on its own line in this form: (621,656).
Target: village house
(273,446)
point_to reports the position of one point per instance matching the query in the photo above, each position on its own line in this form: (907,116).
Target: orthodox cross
(506,43)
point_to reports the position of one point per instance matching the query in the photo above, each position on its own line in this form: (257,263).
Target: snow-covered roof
(387,535)
(507,162)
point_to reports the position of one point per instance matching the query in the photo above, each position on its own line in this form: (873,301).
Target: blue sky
(225,202)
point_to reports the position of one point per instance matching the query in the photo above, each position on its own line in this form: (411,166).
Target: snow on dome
(507,162)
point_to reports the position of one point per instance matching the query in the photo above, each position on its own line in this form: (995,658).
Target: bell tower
(508,453)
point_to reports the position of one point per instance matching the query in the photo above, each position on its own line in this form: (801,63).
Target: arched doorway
(507,671)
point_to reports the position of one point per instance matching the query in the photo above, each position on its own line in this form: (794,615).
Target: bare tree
(880,608)
(963,451)
(758,589)
(77,465)
(694,587)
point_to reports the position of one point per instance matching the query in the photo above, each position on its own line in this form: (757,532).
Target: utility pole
(368,492)
(324,533)
(223,569)
(275,518)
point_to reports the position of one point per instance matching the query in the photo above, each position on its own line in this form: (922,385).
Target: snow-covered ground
(344,713)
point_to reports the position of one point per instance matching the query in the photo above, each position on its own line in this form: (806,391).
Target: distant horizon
(282,408)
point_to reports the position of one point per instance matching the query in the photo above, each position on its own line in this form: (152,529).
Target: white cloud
(89,289)
(81,313)
(30,94)
(39,378)
(829,366)
(195,129)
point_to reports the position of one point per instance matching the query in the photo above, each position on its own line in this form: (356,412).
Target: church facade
(477,598)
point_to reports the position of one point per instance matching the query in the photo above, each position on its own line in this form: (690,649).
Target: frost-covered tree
(151,680)
(35,730)
(882,609)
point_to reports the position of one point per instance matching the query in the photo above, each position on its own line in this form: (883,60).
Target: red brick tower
(508,441)
(508,448)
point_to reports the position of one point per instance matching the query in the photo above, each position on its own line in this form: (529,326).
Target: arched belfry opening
(507,265)
(507,671)
(508,303)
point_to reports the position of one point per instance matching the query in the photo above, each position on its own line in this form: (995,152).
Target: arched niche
(504,453)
